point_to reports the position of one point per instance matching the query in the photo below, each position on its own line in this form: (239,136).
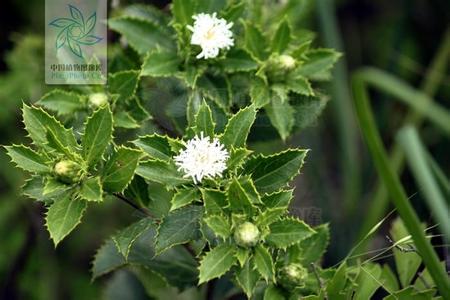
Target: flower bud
(67,171)
(287,62)
(247,235)
(98,99)
(292,276)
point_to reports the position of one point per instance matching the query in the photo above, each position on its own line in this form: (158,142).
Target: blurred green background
(338,184)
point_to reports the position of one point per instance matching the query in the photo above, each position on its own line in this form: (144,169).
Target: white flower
(202,158)
(212,34)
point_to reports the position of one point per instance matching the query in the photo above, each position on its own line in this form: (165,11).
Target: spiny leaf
(214,201)
(238,198)
(157,146)
(288,231)
(119,169)
(281,115)
(270,215)
(278,199)
(255,42)
(220,225)
(272,172)
(123,84)
(313,247)
(204,121)
(161,63)
(237,157)
(62,102)
(140,34)
(282,37)
(179,227)
(162,172)
(63,216)
(247,278)
(264,263)
(125,239)
(97,135)
(259,93)
(91,189)
(37,122)
(238,60)
(184,197)
(216,262)
(238,127)
(27,159)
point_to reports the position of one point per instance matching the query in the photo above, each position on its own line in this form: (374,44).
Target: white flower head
(211,34)
(202,158)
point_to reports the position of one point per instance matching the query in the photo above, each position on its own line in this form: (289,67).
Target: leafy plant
(171,135)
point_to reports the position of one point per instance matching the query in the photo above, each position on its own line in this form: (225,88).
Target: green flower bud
(292,276)
(247,235)
(98,99)
(287,62)
(67,171)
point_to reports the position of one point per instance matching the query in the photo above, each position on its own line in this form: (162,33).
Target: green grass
(391,180)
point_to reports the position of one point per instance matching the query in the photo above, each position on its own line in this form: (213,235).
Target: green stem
(416,157)
(393,185)
(433,78)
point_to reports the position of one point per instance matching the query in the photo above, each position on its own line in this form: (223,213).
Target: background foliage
(339,179)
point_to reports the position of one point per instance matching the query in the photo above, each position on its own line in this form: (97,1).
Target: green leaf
(52,185)
(27,159)
(142,35)
(53,142)
(119,169)
(156,146)
(407,263)
(62,102)
(255,42)
(281,115)
(237,157)
(220,225)
(125,239)
(270,215)
(179,227)
(124,84)
(318,62)
(214,201)
(238,60)
(63,216)
(162,172)
(238,127)
(300,85)
(247,279)
(97,135)
(273,293)
(278,199)
(250,190)
(242,255)
(264,263)
(313,247)
(182,11)
(282,37)
(307,109)
(37,122)
(91,189)
(160,197)
(283,167)
(204,121)
(259,93)
(216,262)
(288,231)
(123,119)
(368,281)
(161,63)
(337,283)
(184,197)
(238,198)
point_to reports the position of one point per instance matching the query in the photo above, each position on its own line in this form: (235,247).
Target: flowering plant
(213,211)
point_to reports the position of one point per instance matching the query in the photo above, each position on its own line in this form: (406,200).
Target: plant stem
(393,185)
(417,160)
(133,205)
(433,78)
